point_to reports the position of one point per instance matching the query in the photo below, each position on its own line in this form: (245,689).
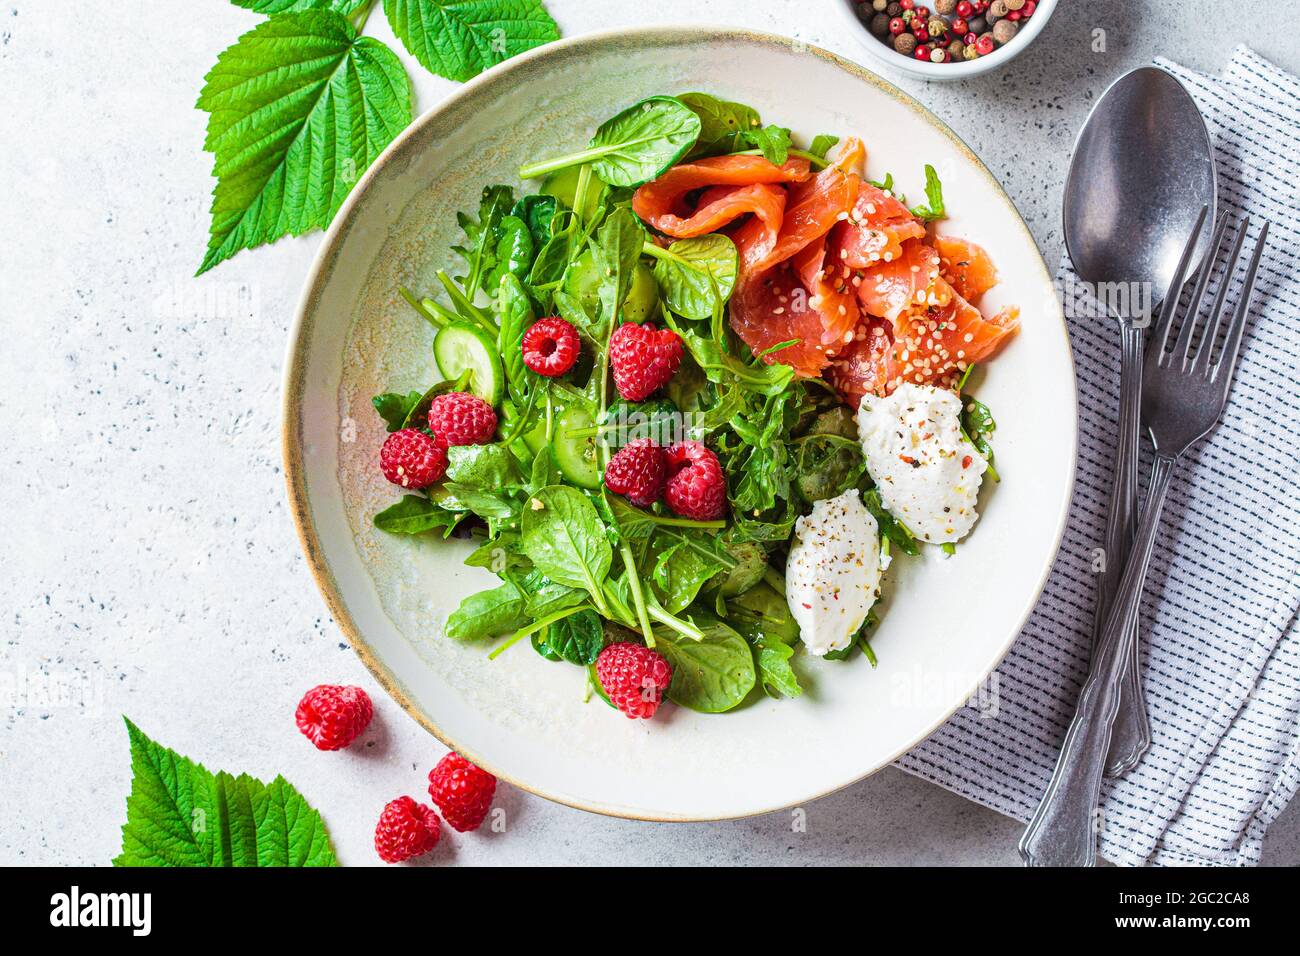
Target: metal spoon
(1142,169)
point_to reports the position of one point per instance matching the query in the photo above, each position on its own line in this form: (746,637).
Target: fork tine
(1183,347)
(1232,344)
(1169,305)
(1206,350)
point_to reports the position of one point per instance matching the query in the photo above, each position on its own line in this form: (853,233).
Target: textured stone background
(148,564)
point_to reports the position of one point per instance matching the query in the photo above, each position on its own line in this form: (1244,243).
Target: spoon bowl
(1143,168)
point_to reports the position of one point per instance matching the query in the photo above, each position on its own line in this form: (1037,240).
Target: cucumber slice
(563,185)
(463,347)
(576,456)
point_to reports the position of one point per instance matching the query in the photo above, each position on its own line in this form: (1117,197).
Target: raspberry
(331,716)
(459,418)
(643,359)
(461,791)
(634,678)
(413,458)
(406,829)
(638,471)
(551,346)
(696,487)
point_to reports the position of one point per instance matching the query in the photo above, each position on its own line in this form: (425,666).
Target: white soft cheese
(833,573)
(928,473)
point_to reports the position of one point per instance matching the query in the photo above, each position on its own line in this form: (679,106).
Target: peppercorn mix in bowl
(946,39)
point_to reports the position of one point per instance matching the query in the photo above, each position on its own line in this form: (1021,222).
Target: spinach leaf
(545,597)
(485,504)
(515,251)
(696,275)
(487,614)
(681,570)
(827,465)
(415,514)
(934,195)
(565,539)
(721,123)
(578,638)
(393,407)
(538,212)
(712,675)
(499,554)
(514,316)
(977,425)
(482,467)
(615,251)
(774,670)
(633,147)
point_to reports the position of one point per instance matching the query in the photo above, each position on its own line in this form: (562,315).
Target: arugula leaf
(180,814)
(722,368)
(538,211)
(774,141)
(459,39)
(482,235)
(933,195)
(487,614)
(395,408)
(270,7)
(680,570)
(827,465)
(634,146)
(415,514)
(565,539)
(696,275)
(890,527)
(710,675)
(298,108)
(821,144)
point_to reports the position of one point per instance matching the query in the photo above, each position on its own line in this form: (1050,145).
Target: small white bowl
(888,57)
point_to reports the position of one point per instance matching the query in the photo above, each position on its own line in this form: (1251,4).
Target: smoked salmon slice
(664,203)
(773,308)
(866,365)
(904,283)
(965,266)
(876,229)
(935,344)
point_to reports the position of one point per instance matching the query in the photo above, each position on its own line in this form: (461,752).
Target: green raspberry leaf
(180,814)
(298,108)
(272,7)
(459,39)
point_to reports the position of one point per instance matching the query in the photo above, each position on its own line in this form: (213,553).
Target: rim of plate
(294,374)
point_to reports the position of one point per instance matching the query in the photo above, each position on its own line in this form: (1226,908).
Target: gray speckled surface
(150,566)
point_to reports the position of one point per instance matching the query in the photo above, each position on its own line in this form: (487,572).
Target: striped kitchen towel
(1221,640)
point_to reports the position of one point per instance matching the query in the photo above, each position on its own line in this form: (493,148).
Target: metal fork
(1184,390)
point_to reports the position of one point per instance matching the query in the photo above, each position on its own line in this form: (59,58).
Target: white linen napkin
(1220,636)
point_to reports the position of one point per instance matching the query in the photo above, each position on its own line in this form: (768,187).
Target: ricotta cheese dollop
(928,473)
(832,577)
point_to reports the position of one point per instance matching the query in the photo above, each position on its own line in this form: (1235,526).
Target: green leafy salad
(559,311)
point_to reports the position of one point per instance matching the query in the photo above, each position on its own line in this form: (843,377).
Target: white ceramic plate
(948,622)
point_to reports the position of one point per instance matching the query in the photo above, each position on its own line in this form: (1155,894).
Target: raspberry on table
(331,716)
(635,678)
(551,346)
(406,829)
(696,486)
(459,418)
(462,791)
(413,458)
(638,472)
(643,359)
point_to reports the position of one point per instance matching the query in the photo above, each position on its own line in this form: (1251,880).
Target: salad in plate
(692,397)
